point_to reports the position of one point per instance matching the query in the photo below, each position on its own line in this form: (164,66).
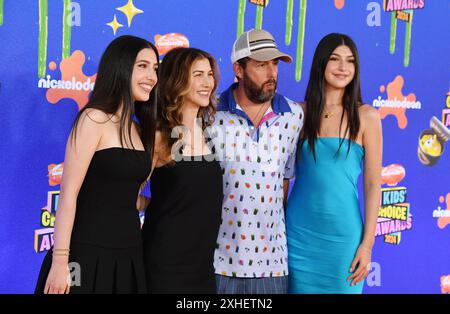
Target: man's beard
(256,93)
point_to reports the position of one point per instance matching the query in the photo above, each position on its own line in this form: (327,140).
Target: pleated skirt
(100,270)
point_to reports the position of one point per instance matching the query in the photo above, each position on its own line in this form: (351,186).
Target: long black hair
(113,89)
(315,92)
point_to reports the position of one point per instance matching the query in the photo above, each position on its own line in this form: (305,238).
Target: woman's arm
(373,145)
(77,158)
(143,201)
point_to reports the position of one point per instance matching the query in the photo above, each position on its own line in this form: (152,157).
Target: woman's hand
(58,280)
(362,262)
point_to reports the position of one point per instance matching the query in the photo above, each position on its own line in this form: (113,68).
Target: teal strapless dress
(323,219)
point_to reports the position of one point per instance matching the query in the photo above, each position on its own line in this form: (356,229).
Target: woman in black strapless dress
(183,218)
(181,226)
(108,157)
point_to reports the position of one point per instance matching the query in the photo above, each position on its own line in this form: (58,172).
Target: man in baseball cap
(251,253)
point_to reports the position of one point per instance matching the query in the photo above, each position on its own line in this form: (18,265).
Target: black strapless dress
(106,238)
(181,227)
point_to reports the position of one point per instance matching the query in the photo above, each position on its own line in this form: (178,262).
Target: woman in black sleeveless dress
(183,218)
(108,157)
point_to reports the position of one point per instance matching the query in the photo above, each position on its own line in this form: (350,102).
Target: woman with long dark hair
(183,218)
(329,245)
(108,157)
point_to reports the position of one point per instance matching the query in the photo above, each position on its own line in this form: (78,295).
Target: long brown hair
(174,82)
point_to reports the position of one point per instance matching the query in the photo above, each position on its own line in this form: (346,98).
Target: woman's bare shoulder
(95,115)
(368,113)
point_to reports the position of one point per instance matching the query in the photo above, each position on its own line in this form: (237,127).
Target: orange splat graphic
(392,174)
(72,67)
(444,221)
(167,42)
(394,91)
(55,173)
(339,4)
(445,284)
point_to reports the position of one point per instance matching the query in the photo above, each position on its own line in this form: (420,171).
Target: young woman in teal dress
(329,244)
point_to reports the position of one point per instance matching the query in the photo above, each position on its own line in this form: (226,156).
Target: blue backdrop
(404,71)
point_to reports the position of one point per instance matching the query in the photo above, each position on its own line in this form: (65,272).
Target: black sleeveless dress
(106,237)
(181,227)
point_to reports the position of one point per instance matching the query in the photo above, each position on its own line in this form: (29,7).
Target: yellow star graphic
(130,11)
(114,24)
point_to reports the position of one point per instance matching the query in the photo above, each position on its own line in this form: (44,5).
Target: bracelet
(60,254)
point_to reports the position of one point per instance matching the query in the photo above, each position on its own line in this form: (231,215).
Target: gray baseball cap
(259,45)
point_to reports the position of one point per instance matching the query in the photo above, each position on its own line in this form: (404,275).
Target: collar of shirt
(228,103)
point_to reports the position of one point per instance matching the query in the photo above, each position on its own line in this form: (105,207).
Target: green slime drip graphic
(66,29)
(240,20)
(43,26)
(289,22)
(408,40)
(289,25)
(259,16)
(393,37)
(300,40)
(1,12)
(393,33)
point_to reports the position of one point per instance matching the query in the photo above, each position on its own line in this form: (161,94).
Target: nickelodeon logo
(74,84)
(445,284)
(55,173)
(69,85)
(443,214)
(167,42)
(392,174)
(396,103)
